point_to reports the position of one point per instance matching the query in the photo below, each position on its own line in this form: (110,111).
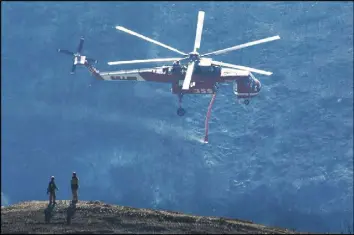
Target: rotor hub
(194,56)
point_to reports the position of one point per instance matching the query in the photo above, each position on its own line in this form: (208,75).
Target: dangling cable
(207,118)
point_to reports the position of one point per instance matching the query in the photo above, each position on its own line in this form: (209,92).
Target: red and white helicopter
(191,74)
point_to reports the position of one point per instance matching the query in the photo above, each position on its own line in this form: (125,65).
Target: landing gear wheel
(181,112)
(246,102)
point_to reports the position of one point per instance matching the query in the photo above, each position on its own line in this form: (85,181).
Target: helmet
(52,177)
(74,173)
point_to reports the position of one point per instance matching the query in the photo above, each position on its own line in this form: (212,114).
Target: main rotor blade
(81,44)
(242,68)
(198,34)
(242,46)
(66,52)
(149,39)
(143,61)
(188,78)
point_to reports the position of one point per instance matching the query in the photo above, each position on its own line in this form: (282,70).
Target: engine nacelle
(247,87)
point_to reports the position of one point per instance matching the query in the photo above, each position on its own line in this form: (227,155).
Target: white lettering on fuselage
(202,90)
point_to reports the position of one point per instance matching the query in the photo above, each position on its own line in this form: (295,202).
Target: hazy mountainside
(285,160)
(98,217)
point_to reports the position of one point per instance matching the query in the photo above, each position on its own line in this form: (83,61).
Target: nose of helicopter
(258,85)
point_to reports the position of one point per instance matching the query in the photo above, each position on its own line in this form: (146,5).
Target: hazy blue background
(285,160)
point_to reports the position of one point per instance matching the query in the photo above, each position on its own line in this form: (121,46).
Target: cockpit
(246,85)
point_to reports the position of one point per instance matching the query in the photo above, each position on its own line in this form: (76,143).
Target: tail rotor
(77,57)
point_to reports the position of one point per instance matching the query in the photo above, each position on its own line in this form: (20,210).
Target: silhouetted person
(74,187)
(51,191)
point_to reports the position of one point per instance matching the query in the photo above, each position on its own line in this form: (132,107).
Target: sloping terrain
(97,217)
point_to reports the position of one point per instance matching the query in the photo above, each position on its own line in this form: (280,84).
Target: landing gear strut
(180,111)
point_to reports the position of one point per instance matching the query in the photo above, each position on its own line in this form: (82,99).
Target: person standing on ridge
(51,191)
(74,187)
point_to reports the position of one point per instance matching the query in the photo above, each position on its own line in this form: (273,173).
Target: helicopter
(192,73)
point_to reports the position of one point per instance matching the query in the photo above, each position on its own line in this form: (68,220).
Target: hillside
(98,217)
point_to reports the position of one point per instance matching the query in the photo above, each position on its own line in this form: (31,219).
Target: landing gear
(180,111)
(246,102)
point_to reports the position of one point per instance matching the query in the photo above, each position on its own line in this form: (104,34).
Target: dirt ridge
(99,217)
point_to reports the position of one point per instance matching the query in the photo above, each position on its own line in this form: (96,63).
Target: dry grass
(98,217)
